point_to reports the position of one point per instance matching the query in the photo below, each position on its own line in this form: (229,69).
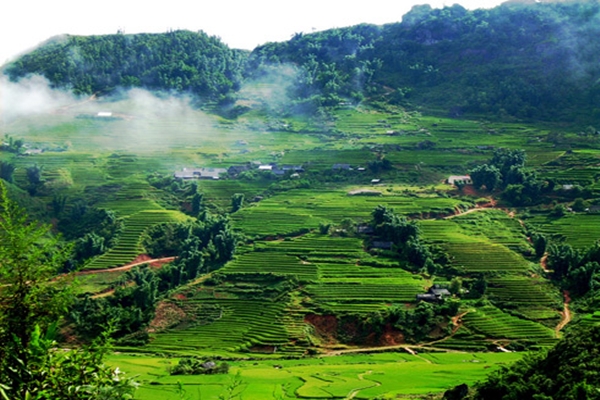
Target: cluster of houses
(235,170)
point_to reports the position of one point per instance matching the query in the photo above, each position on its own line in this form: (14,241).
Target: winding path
(566,314)
(126,267)
(361,377)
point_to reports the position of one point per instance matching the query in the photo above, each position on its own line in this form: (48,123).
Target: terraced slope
(494,323)
(225,326)
(482,241)
(128,245)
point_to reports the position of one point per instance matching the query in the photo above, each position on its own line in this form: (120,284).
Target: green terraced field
(494,323)
(107,164)
(534,296)
(271,262)
(590,319)
(237,325)
(579,230)
(482,241)
(128,245)
(296,210)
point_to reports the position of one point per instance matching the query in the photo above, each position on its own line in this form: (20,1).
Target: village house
(345,167)
(365,229)
(434,294)
(459,180)
(30,152)
(235,170)
(200,173)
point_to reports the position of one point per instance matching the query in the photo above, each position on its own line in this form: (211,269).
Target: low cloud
(30,96)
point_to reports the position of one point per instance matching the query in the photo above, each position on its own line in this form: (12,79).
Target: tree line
(182,61)
(515,60)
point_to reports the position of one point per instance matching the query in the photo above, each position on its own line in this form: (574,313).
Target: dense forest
(177,60)
(516,60)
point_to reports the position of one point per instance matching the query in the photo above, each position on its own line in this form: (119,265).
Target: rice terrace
(318,218)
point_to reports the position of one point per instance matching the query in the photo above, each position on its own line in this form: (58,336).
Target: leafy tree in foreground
(30,306)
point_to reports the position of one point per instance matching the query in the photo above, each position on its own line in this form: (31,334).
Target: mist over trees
(516,60)
(179,60)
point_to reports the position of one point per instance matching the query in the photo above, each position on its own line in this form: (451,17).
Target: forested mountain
(536,60)
(519,60)
(178,60)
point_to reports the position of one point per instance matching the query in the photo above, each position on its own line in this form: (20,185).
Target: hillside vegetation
(534,61)
(428,190)
(178,60)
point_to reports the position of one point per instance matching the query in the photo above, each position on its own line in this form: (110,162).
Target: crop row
(336,271)
(521,291)
(128,245)
(240,325)
(271,262)
(492,322)
(579,230)
(364,292)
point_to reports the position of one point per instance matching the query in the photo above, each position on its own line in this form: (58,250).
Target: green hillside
(425,193)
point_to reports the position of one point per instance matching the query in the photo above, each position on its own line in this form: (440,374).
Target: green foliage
(128,311)
(194,366)
(178,60)
(7,170)
(577,270)
(486,175)
(210,234)
(498,61)
(31,365)
(417,323)
(11,145)
(568,371)
(237,201)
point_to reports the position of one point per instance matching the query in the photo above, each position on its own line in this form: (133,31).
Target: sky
(241,24)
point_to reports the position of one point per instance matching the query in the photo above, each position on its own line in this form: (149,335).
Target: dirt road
(566,314)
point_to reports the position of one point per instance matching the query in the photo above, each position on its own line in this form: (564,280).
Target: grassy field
(257,304)
(361,376)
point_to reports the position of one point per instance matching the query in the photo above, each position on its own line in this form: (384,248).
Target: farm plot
(535,298)
(293,257)
(271,262)
(366,376)
(495,323)
(348,294)
(298,210)
(579,230)
(495,225)
(342,278)
(315,245)
(472,250)
(128,245)
(68,171)
(235,325)
(364,122)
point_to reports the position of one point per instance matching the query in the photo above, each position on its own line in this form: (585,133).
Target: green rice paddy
(246,313)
